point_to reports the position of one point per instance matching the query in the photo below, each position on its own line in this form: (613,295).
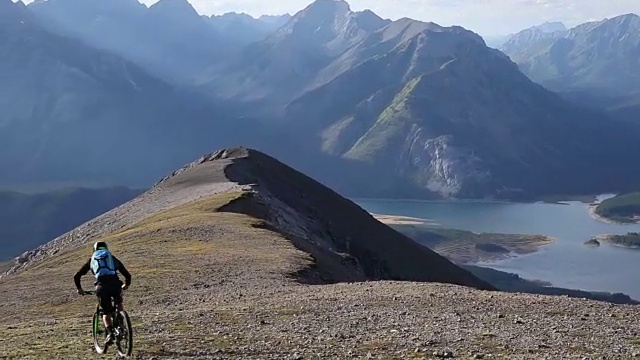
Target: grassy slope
(622,208)
(387,130)
(42,301)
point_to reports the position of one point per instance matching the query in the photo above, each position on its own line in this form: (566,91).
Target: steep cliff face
(440,165)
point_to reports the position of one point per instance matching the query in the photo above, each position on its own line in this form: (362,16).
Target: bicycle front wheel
(98,332)
(124,339)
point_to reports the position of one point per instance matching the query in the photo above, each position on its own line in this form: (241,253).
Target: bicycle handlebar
(93,292)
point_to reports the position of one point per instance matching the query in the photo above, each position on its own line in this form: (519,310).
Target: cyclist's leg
(117,295)
(104,297)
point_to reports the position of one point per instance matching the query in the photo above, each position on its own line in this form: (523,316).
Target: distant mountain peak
(179,8)
(340,5)
(322,19)
(325,10)
(630,18)
(275,18)
(233,14)
(369,20)
(552,26)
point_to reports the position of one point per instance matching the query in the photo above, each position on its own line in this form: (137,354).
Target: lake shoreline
(566,262)
(609,239)
(402,220)
(558,200)
(605,220)
(466,247)
(516,244)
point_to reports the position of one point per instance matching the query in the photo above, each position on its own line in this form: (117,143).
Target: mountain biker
(105,267)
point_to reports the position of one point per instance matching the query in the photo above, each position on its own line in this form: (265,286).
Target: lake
(566,263)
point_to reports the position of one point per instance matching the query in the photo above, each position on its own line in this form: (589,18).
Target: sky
(486,17)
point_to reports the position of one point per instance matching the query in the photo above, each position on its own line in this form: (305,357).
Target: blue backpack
(102,264)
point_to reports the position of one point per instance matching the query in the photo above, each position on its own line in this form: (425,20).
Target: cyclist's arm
(123,270)
(83,271)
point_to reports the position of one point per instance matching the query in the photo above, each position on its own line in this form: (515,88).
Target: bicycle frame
(116,323)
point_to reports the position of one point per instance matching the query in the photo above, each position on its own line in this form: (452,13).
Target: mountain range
(434,104)
(75,114)
(168,38)
(502,41)
(345,96)
(595,62)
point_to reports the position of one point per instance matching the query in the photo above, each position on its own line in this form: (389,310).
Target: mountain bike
(122,330)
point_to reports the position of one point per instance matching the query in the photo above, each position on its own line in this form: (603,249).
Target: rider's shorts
(106,290)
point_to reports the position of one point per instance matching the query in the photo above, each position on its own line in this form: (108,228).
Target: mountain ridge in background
(76,114)
(169,38)
(414,105)
(594,62)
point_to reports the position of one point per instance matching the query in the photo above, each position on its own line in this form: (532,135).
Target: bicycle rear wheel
(124,340)
(98,332)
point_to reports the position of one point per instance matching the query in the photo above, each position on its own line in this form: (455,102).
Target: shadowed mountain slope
(73,114)
(169,38)
(29,220)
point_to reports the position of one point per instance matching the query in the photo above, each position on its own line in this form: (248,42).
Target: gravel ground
(220,288)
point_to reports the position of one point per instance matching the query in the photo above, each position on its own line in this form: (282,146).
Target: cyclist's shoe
(110,338)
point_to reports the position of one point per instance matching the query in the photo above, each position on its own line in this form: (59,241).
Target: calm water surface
(566,263)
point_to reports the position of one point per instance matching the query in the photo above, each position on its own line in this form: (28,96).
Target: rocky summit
(238,256)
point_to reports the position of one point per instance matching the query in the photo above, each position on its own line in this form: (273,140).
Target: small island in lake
(593,242)
(630,240)
(465,247)
(620,209)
